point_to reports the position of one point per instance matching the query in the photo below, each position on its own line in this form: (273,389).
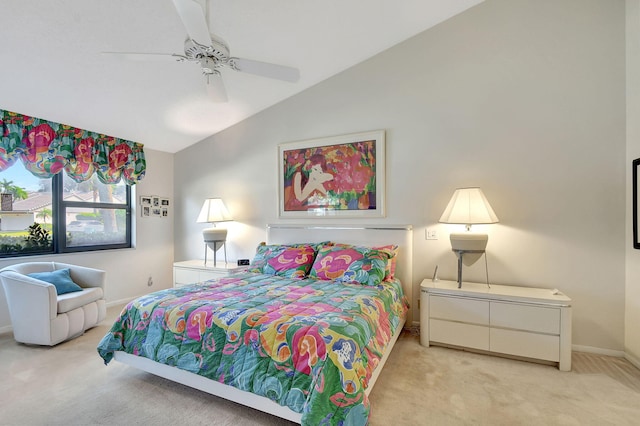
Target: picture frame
(333,177)
(154,206)
(636,200)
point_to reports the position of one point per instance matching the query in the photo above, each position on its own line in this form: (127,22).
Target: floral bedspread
(306,344)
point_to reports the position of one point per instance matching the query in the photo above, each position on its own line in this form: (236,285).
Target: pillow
(350,264)
(392,251)
(285,260)
(60,278)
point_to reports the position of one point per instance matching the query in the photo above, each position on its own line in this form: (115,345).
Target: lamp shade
(213,210)
(468,206)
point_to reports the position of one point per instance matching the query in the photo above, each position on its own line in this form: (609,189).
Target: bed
(305,346)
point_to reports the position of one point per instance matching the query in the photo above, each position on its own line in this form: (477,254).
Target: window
(59,215)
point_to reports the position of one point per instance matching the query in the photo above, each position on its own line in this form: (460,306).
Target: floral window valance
(46,148)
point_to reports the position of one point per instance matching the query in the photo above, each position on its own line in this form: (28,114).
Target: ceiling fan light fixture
(212,53)
(215,87)
(208,65)
(217,49)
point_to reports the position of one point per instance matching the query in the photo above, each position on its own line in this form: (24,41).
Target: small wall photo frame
(154,206)
(164,207)
(333,177)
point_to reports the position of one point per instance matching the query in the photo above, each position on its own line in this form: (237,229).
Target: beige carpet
(69,385)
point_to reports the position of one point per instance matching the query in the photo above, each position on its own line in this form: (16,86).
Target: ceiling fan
(212,53)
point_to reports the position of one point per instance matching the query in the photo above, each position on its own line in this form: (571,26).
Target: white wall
(524,98)
(632,298)
(128,270)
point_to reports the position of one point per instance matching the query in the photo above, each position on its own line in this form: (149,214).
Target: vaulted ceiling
(52,64)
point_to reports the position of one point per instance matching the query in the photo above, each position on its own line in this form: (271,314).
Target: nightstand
(195,271)
(511,320)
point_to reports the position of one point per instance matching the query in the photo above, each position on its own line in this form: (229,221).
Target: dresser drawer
(522,317)
(527,322)
(522,343)
(461,310)
(459,334)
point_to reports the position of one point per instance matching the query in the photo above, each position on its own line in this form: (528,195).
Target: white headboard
(368,235)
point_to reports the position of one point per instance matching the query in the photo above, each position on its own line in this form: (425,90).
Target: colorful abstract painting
(340,176)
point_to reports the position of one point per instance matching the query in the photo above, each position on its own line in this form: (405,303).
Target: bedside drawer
(186,276)
(461,310)
(531,318)
(208,275)
(522,343)
(459,334)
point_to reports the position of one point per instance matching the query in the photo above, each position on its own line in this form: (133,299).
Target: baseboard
(632,359)
(599,351)
(6,329)
(121,301)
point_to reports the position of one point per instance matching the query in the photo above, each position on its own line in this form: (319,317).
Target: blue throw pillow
(60,278)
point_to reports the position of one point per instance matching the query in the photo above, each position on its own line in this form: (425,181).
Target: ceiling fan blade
(155,57)
(194,21)
(215,87)
(264,69)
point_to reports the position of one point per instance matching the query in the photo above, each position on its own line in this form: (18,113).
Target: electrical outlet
(431,234)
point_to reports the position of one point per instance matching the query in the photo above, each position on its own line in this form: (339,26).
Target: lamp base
(460,254)
(214,234)
(214,238)
(215,246)
(470,243)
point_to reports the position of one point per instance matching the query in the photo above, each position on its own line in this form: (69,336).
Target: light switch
(431,234)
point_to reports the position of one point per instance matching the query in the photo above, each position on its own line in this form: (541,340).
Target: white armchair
(40,316)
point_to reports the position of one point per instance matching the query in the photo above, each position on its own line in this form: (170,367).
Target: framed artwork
(636,200)
(340,176)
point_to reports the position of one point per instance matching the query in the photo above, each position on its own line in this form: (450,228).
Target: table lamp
(468,206)
(214,211)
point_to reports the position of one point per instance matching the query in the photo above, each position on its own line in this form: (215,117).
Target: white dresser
(519,321)
(195,271)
